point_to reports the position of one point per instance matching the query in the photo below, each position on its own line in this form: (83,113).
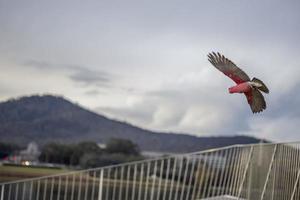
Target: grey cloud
(4,90)
(91,77)
(286,104)
(152,111)
(278,129)
(191,110)
(77,73)
(94,92)
(143,115)
(40,64)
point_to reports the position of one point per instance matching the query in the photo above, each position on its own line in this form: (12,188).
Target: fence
(258,172)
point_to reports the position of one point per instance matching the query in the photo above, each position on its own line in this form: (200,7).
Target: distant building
(101,145)
(31,153)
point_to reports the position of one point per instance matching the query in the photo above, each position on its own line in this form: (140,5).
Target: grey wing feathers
(228,67)
(258,103)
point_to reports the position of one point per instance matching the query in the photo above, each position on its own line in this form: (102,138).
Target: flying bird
(251,88)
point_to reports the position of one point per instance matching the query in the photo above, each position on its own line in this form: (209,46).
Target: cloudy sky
(145,62)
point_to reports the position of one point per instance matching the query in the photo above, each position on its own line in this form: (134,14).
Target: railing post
(2,192)
(295,185)
(100,185)
(269,172)
(245,172)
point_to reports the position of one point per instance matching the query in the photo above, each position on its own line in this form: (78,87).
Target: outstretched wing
(256,100)
(228,67)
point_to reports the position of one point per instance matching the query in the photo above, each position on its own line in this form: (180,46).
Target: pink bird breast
(240,88)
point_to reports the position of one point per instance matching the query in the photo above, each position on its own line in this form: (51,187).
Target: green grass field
(11,173)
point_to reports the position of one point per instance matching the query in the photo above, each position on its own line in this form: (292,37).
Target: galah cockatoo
(251,88)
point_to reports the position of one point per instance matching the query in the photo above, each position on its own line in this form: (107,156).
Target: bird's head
(255,84)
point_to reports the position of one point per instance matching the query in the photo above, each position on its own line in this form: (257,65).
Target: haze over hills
(53,118)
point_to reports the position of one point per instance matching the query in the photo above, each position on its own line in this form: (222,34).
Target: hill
(53,118)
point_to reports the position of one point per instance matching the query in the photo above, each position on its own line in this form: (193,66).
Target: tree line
(88,154)
(7,149)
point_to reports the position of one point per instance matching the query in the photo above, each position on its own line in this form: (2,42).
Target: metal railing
(258,172)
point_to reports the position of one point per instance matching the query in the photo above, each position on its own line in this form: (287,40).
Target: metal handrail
(247,171)
(128,163)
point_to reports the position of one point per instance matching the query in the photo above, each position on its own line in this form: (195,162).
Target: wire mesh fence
(265,171)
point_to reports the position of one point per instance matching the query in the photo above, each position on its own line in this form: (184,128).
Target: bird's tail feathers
(263,87)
